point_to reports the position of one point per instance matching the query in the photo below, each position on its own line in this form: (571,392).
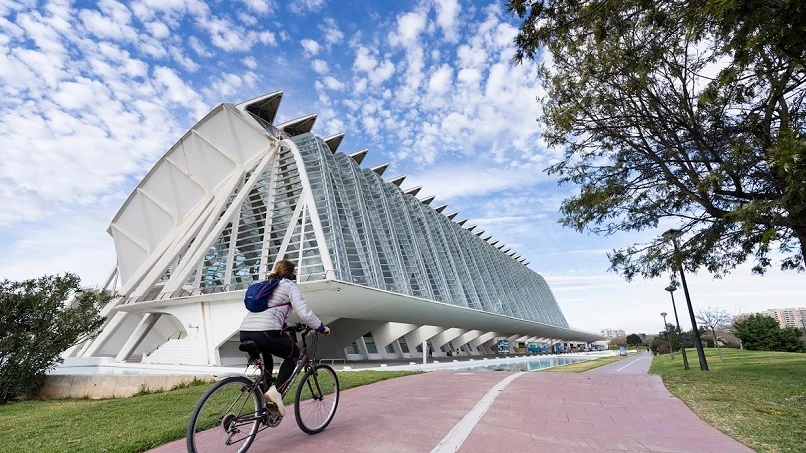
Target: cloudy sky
(94,93)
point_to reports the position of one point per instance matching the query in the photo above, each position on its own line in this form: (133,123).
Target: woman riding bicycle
(266,328)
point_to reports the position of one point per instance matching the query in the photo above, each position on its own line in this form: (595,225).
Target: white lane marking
(625,366)
(459,433)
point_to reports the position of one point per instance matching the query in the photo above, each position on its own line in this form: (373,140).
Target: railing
(178,334)
(213,289)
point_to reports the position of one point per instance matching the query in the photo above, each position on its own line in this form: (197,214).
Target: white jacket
(274,317)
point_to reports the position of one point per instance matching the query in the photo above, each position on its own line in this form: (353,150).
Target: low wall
(107,386)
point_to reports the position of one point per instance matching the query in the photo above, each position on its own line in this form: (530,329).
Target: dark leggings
(279,343)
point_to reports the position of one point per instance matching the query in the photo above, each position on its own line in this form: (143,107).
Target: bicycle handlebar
(297,327)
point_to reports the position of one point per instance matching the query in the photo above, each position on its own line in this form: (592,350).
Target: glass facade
(380,237)
(375,235)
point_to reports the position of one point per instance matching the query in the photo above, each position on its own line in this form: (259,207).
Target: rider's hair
(283,267)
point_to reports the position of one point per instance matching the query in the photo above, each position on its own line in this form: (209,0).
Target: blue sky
(94,93)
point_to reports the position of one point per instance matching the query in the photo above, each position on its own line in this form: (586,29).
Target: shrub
(40,318)
(762,333)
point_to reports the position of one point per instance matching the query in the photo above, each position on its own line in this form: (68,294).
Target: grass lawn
(758,398)
(118,425)
(584,366)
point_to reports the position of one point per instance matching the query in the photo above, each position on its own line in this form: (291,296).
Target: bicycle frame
(305,362)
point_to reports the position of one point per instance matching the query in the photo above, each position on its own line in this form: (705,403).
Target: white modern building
(383,268)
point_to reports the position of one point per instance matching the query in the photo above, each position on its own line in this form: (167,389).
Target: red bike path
(618,407)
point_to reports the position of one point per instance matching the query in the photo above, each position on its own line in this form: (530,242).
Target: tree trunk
(716,342)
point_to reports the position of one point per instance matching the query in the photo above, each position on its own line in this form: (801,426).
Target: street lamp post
(671,289)
(668,338)
(673,234)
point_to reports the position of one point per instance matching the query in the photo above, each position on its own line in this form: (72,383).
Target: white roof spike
(413,191)
(480,233)
(298,126)
(380,169)
(427,200)
(441,208)
(264,107)
(470,228)
(359,156)
(452,215)
(487,238)
(494,242)
(397,181)
(334,141)
(462,222)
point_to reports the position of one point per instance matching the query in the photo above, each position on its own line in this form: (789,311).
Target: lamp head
(671,288)
(663,314)
(672,233)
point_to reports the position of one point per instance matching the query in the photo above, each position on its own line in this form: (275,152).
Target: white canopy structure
(385,270)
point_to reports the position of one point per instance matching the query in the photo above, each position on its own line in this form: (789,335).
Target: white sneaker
(274,396)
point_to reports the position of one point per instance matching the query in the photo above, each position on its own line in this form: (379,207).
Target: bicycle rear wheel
(226,418)
(316,400)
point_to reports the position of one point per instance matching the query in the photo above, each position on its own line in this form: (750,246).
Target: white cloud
(250,62)
(447,12)
(303,6)
(158,29)
(331,32)
(310,47)
(332,84)
(441,79)
(320,67)
(198,47)
(259,6)
(364,61)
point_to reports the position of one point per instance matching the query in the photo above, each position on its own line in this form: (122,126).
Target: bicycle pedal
(272,408)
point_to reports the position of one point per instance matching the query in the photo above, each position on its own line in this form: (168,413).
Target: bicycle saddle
(249,346)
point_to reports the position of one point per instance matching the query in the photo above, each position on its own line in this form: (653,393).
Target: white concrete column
(388,333)
(512,339)
(489,346)
(110,329)
(420,334)
(466,338)
(140,332)
(362,348)
(479,341)
(445,336)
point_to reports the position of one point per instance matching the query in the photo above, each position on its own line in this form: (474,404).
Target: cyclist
(266,328)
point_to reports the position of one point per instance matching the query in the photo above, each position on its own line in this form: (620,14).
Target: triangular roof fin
(298,126)
(334,141)
(264,107)
(380,169)
(413,190)
(397,180)
(359,156)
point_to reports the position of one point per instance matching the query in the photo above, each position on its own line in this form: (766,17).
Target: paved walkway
(617,407)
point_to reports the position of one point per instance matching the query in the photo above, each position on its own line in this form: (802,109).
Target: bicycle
(229,415)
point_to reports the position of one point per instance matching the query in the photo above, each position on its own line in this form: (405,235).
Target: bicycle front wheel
(317,399)
(226,418)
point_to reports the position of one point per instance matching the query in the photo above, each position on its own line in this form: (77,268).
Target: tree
(634,339)
(714,318)
(39,319)
(663,337)
(677,110)
(762,333)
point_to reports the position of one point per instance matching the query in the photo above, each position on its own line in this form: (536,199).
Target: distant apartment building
(786,317)
(613,333)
